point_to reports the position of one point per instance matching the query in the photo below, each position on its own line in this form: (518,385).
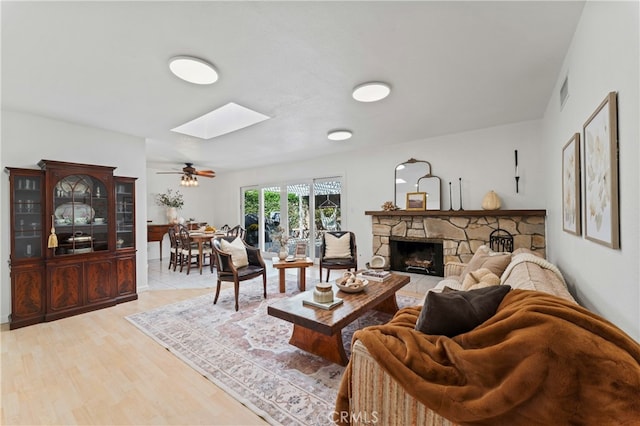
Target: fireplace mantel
(461,231)
(474,213)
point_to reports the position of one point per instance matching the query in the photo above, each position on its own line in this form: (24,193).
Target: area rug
(247,353)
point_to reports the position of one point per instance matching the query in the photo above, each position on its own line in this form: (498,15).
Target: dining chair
(338,250)
(237,231)
(228,271)
(188,251)
(175,250)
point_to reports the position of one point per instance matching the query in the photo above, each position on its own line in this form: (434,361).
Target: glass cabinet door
(27,216)
(125,213)
(81,209)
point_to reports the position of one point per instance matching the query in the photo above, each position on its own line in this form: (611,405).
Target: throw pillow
(237,250)
(484,257)
(337,247)
(483,277)
(453,313)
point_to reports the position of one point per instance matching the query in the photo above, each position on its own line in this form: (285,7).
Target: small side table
(301,264)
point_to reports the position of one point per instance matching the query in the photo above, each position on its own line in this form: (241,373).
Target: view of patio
(289,207)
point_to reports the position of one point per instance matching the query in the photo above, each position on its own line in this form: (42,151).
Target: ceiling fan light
(194,70)
(371,91)
(339,134)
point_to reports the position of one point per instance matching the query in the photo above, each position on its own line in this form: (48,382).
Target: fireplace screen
(417,256)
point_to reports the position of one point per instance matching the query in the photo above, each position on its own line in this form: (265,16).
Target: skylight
(226,119)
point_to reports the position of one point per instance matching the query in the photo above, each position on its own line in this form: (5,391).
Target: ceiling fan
(189,174)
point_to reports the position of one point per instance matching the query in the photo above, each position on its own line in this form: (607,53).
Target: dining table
(202,237)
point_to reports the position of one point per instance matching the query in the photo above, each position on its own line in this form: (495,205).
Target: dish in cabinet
(75,210)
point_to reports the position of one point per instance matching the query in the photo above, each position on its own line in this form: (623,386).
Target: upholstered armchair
(237,261)
(338,250)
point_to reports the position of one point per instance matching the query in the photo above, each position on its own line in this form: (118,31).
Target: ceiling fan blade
(169,173)
(206,173)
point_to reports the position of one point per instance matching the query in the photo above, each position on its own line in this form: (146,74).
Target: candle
(516,159)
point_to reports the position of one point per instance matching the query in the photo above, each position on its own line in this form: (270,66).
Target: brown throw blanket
(540,360)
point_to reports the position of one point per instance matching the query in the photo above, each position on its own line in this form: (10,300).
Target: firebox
(417,256)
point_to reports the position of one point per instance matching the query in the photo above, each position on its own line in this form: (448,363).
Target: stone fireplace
(416,255)
(460,232)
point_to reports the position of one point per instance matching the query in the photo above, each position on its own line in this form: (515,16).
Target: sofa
(539,359)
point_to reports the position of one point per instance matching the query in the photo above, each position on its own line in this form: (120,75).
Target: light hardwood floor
(98,369)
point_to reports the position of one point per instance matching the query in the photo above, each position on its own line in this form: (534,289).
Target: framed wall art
(600,134)
(416,201)
(571,186)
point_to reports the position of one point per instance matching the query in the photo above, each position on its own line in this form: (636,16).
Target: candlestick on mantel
(460,181)
(450,198)
(517,174)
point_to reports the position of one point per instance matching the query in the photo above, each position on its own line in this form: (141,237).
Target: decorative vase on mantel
(172,214)
(491,201)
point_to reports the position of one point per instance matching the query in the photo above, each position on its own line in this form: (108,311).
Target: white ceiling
(453,67)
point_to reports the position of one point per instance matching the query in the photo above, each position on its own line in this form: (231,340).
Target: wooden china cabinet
(72,240)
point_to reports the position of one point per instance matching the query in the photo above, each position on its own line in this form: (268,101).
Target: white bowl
(350,289)
(99,220)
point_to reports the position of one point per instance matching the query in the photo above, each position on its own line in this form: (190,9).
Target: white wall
(603,57)
(198,203)
(26,139)
(484,159)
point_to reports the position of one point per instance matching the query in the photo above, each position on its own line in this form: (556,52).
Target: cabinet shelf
(29,237)
(75,276)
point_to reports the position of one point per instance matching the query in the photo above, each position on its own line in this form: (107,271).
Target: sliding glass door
(327,208)
(251,208)
(272,217)
(298,222)
(302,209)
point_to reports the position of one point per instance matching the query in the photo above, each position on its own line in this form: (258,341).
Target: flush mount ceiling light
(193,70)
(339,135)
(371,92)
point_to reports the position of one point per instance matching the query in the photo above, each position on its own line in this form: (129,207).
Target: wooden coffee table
(319,331)
(301,264)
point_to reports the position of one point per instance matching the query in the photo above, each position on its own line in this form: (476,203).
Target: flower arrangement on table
(170,199)
(279,236)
